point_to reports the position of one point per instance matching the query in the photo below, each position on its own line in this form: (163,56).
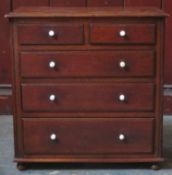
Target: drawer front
(88,64)
(50,34)
(122,33)
(86,97)
(79,136)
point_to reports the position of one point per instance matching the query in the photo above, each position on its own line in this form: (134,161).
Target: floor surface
(7,167)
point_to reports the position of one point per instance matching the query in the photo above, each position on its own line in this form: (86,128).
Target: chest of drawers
(87,84)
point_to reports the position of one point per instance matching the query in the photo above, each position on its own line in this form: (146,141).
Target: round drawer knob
(52,97)
(121,137)
(53,137)
(122,97)
(51,33)
(122,33)
(122,64)
(52,64)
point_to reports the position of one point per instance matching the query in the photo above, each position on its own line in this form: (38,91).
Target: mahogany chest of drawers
(87,84)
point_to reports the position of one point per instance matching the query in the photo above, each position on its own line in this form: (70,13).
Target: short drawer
(88,97)
(44,34)
(88,136)
(122,33)
(88,64)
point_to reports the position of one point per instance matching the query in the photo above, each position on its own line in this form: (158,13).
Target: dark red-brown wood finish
(168,53)
(88,141)
(95,96)
(141,3)
(5,61)
(6,6)
(5,77)
(19,3)
(87,64)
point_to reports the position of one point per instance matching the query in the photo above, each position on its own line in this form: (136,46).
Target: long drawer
(88,97)
(88,64)
(111,33)
(88,136)
(44,34)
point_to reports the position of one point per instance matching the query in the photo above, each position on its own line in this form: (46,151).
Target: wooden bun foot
(21,166)
(155,167)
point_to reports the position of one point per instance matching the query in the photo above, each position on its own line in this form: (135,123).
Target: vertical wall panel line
(162,4)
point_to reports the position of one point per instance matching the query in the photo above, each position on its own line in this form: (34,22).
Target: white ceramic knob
(52,64)
(122,97)
(122,33)
(121,137)
(51,33)
(122,64)
(53,137)
(52,97)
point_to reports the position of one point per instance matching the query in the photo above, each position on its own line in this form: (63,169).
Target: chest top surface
(27,12)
